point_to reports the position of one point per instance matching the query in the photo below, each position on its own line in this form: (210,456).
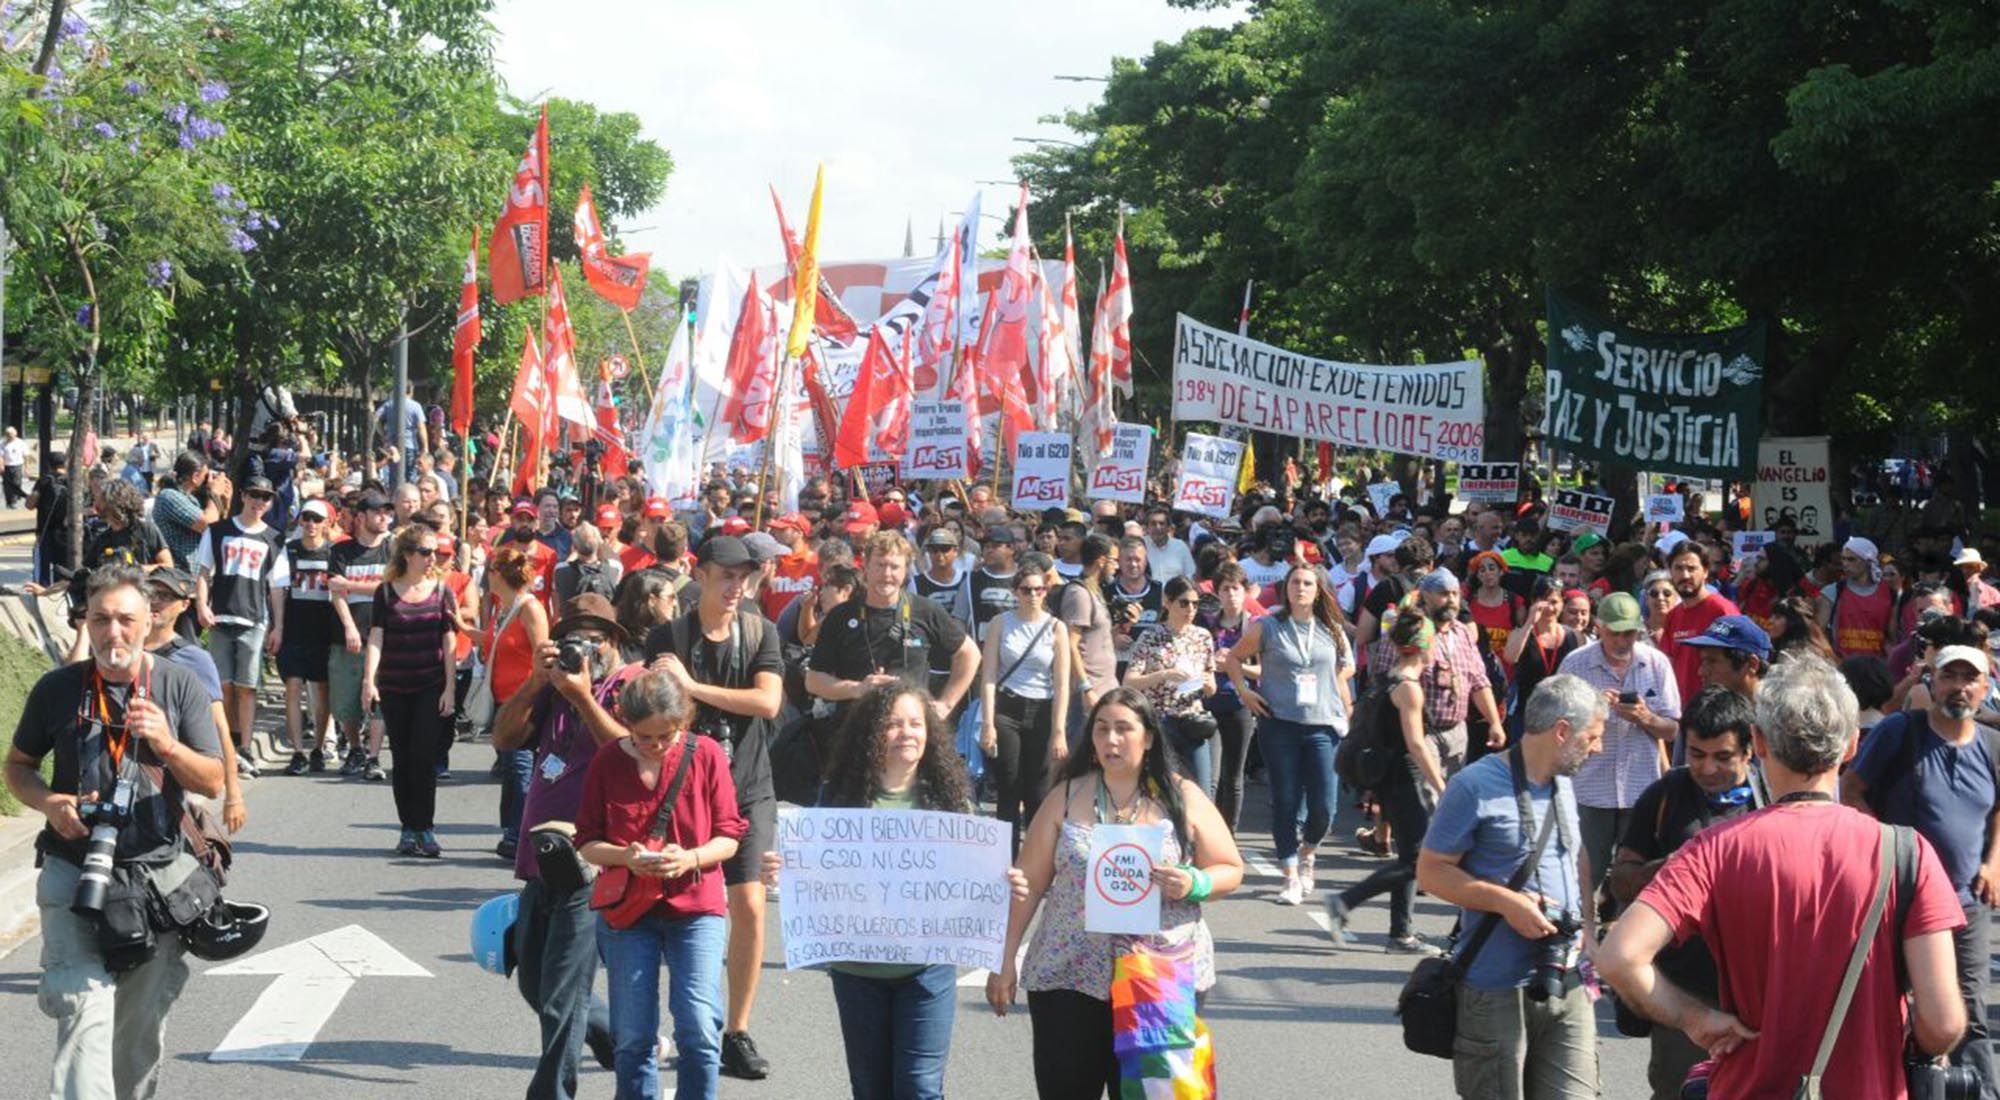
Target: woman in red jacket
(660,896)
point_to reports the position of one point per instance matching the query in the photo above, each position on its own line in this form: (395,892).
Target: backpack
(1368,755)
(1903,766)
(593,577)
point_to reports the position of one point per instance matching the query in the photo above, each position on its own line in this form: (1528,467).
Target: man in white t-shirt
(13,463)
(1167,556)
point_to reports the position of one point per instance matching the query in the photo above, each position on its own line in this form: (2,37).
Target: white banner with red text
(1208,475)
(1041,471)
(1121,474)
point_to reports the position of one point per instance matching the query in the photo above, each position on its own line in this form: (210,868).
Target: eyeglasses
(425,551)
(1190,602)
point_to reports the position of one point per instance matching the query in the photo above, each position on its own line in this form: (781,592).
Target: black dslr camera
(1552,956)
(572,654)
(105,818)
(1931,1081)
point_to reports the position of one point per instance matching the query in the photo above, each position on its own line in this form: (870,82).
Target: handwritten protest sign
(893,886)
(1793,482)
(1665,508)
(1745,543)
(1041,471)
(1489,482)
(1118,890)
(1208,475)
(1436,410)
(1121,474)
(1576,510)
(1380,494)
(936,450)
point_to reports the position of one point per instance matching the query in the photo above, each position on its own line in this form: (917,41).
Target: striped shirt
(1630,760)
(416,638)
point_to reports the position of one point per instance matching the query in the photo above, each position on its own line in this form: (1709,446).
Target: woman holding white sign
(1301,702)
(1121,776)
(896,1018)
(1024,694)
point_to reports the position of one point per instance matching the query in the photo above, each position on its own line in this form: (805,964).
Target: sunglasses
(265,497)
(310,518)
(1187,603)
(424,551)
(1032,589)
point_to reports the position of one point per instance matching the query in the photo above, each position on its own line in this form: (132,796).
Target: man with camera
(1504,847)
(1938,771)
(724,656)
(566,711)
(132,735)
(1804,877)
(1717,784)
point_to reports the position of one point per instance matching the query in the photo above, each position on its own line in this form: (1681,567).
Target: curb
(20,920)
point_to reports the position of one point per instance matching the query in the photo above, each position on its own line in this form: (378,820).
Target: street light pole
(402,403)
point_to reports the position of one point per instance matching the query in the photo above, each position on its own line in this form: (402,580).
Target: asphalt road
(1290,1014)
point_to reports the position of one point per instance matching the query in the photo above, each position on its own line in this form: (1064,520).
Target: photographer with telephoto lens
(131,735)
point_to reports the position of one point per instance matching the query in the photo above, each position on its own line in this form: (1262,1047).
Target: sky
(906,104)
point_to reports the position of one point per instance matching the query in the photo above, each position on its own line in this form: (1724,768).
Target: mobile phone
(1628,698)
(652,857)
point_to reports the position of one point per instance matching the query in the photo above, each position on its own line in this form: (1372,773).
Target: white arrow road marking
(313,975)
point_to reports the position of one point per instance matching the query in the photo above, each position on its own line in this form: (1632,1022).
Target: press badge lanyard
(114,743)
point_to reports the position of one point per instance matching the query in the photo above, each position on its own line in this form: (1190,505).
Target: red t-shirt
(635,558)
(1861,623)
(1686,621)
(1495,622)
(1779,896)
(618,809)
(796,573)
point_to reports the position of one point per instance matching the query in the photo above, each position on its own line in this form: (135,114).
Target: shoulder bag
(479,702)
(1428,1004)
(623,897)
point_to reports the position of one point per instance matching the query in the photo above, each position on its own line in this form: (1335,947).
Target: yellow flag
(805,277)
(1248,475)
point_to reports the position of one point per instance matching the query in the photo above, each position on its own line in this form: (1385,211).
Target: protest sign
(1118,890)
(1745,543)
(1687,403)
(893,886)
(1489,482)
(1380,494)
(877,478)
(1208,475)
(1041,471)
(1792,482)
(1576,510)
(936,450)
(1435,410)
(1121,474)
(1665,508)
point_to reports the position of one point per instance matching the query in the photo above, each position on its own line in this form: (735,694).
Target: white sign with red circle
(1119,893)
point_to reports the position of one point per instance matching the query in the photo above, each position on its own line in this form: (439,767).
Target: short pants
(238,653)
(746,864)
(343,685)
(303,658)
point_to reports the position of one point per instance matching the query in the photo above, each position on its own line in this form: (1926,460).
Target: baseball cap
(942,537)
(1585,541)
(587,610)
(1001,533)
(1382,544)
(859,515)
(608,517)
(1737,632)
(892,514)
(763,547)
(793,520)
(372,500)
(1619,612)
(173,582)
(525,507)
(1971,656)
(259,484)
(447,551)
(723,550)
(313,508)
(735,525)
(656,508)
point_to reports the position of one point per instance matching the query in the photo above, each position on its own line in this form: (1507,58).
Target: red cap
(792,520)
(735,525)
(893,514)
(608,517)
(859,516)
(447,553)
(656,508)
(526,507)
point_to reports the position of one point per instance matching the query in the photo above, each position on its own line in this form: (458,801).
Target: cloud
(906,104)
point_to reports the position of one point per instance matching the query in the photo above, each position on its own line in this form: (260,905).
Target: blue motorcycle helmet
(493,934)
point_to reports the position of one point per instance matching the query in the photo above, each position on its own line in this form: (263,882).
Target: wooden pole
(771,436)
(637,356)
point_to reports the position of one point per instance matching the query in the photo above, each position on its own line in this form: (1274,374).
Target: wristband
(1200,886)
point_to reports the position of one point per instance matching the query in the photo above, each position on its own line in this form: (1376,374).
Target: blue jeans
(555,945)
(692,949)
(1199,756)
(517,770)
(897,1032)
(1298,760)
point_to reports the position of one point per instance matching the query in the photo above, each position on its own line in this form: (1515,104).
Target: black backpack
(1373,747)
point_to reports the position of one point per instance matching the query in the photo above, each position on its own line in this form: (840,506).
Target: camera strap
(1525,806)
(664,819)
(117,735)
(1809,1087)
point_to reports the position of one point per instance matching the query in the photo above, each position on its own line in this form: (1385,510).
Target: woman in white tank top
(1024,687)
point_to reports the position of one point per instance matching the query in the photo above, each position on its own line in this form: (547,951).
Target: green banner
(1671,403)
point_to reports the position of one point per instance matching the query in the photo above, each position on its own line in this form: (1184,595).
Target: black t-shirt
(52,511)
(356,562)
(1149,601)
(991,595)
(1668,814)
(60,718)
(915,640)
(308,602)
(751,648)
(138,544)
(1536,665)
(1386,594)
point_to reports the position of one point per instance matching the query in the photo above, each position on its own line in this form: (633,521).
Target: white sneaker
(1306,874)
(1293,892)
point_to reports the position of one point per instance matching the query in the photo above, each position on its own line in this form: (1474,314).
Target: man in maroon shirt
(1800,876)
(1698,608)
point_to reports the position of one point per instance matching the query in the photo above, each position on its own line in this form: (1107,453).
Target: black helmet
(226,931)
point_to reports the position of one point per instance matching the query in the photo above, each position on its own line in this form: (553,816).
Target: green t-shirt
(905,799)
(1533,563)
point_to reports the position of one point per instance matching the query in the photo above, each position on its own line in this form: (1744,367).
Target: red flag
(751,369)
(619,280)
(817,397)
(1116,305)
(559,355)
(829,316)
(614,462)
(881,396)
(1098,414)
(531,400)
(1003,347)
(519,250)
(939,327)
(464,341)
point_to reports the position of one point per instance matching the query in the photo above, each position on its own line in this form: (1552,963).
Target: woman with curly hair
(896,1018)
